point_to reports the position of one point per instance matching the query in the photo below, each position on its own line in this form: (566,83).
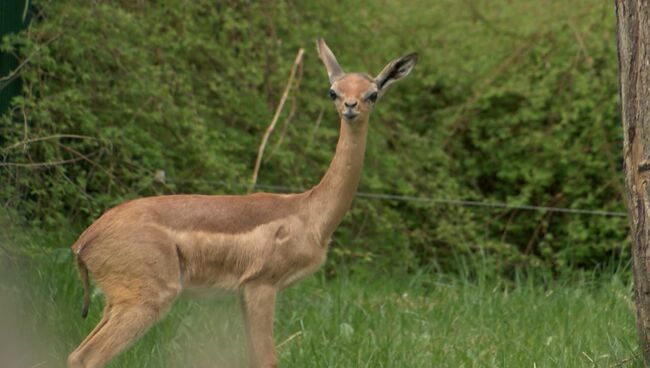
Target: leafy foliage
(513,103)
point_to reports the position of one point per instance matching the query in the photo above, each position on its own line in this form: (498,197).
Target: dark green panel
(13,18)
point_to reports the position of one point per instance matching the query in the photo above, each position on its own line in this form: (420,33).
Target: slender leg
(105,314)
(258,305)
(127,319)
(73,358)
(125,325)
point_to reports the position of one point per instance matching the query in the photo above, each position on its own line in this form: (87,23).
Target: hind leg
(73,357)
(140,276)
(125,323)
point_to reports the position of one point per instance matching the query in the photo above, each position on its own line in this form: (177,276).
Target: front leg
(258,306)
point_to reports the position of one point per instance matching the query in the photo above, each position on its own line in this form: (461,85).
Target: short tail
(83,274)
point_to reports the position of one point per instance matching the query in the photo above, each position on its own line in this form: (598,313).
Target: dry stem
(278,110)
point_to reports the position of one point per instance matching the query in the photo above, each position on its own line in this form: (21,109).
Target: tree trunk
(634,88)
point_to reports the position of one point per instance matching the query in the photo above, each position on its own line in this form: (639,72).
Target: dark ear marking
(396,70)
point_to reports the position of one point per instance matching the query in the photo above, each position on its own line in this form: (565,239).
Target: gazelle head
(355,94)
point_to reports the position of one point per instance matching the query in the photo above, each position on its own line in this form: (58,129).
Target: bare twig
(5,80)
(45,164)
(581,43)
(278,110)
(318,120)
(25,8)
(25,125)
(292,111)
(465,111)
(530,247)
(46,138)
(507,227)
(625,361)
(489,24)
(289,339)
(95,164)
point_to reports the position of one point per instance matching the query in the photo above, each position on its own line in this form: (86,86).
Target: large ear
(334,70)
(396,70)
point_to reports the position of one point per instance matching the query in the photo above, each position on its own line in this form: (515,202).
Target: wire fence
(444,201)
(465,203)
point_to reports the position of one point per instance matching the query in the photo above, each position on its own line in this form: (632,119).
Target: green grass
(425,320)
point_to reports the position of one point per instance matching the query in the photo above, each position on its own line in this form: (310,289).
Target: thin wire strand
(451,202)
(467,203)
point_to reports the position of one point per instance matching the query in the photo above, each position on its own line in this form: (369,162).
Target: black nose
(350,103)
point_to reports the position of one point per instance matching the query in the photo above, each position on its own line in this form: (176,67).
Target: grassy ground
(426,320)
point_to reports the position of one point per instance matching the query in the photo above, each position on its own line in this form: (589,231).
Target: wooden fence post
(633,27)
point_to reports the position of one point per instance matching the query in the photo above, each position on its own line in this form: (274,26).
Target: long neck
(332,197)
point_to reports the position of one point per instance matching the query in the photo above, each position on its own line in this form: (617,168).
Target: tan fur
(142,253)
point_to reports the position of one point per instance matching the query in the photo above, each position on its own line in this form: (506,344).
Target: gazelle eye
(372,97)
(333,94)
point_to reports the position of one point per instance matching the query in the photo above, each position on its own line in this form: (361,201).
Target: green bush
(511,102)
